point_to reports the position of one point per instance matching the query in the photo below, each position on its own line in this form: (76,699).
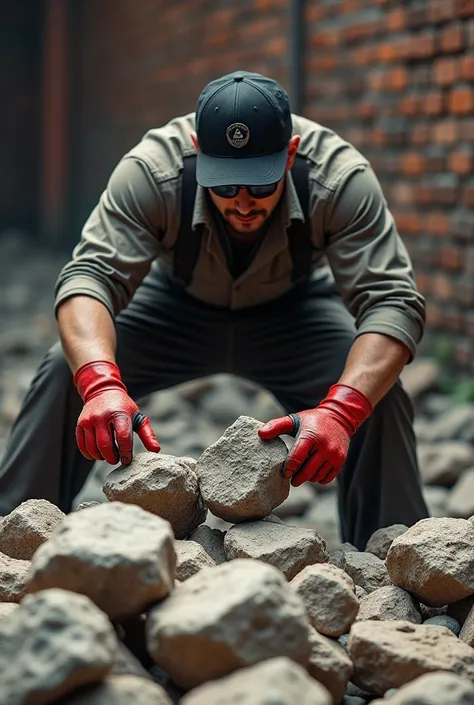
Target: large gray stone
(288,548)
(224,618)
(329,598)
(119,555)
(365,569)
(190,558)
(212,541)
(433,689)
(240,475)
(277,681)
(461,498)
(392,653)
(389,602)
(56,641)
(13,578)
(329,664)
(381,540)
(28,526)
(163,485)
(443,462)
(121,690)
(434,560)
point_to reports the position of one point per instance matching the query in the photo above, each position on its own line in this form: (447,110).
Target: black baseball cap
(243,126)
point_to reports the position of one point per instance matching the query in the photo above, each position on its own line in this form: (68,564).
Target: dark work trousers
(295,347)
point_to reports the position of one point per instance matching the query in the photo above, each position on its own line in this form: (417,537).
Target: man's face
(244,213)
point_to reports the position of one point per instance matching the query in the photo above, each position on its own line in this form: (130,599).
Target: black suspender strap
(188,241)
(299,233)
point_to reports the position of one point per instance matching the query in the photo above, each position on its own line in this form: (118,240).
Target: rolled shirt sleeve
(370,263)
(119,241)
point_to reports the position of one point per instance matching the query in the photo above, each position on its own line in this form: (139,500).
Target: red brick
(366,110)
(410,104)
(466,67)
(387,52)
(461,162)
(450,258)
(461,100)
(433,103)
(410,223)
(435,163)
(446,71)
(420,133)
(451,38)
(467,194)
(441,287)
(466,8)
(412,164)
(437,224)
(433,313)
(397,78)
(470,33)
(423,282)
(363,55)
(314,12)
(445,131)
(396,19)
(441,10)
(402,193)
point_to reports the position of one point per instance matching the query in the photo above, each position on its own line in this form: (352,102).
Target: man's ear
(292,151)
(195,140)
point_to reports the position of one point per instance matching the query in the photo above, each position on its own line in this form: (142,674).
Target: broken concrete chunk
(329,598)
(365,569)
(121,690)
(224,618)
(288,548)
(329,664)
(119,555)
(381,540)
(433,689)
(404,651)
(389,603)
(212,541)
(164,485)
(240,475)
(278,681)
(56,641)
(434,560)
(13,578)
(190,558)
(28,526)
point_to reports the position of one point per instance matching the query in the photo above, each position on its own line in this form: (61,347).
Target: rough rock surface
(381,540)
(288,548)
(27,527)
(190,558)
(389,603)
(434,560)
(119,555)
(461,498)
(467,631)
(365,569)
(336,557)
(329,597)
(433,689)
(240,475)
(86,505)
(55,642)
(390,654)
(329,664)
(13,578)
(212,541)
(442,463)
(121,690)
(163,485)
(278,681)
(7,608)
(224,618)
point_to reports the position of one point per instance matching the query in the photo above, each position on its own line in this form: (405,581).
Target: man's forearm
(373,365)
(87,331)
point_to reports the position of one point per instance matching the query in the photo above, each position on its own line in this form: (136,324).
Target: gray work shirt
(136,221)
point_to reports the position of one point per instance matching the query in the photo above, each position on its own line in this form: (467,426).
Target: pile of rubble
(139,597)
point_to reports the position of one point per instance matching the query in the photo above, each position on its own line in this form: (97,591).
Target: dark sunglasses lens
(262,191)
(225,191)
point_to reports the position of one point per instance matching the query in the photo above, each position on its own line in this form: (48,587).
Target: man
(329,346)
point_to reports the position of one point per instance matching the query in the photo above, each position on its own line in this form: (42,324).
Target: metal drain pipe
(297,53)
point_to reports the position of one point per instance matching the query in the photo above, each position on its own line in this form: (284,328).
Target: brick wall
(397,80)
(394,78)
(19,114)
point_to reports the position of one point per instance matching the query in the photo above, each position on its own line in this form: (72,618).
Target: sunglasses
(254,191)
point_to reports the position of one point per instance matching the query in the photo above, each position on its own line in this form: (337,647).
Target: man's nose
(243,201)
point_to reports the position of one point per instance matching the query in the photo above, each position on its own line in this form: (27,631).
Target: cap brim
(244,171)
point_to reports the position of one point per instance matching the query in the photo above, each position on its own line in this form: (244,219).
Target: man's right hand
(109,416)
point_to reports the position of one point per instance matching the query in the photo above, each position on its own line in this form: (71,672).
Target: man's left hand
(322,435)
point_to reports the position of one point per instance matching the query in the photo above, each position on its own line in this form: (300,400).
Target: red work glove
(105,427)
(322,435)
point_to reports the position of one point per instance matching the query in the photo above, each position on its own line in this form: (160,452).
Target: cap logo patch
(238,135)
